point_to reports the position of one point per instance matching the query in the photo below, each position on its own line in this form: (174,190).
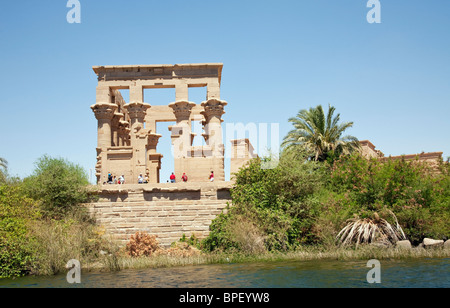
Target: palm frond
(3,163)
(359,231)
(319,133)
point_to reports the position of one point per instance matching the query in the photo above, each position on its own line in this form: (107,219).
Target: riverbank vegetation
(303,202)
(297,209)
(320,184)
(42,224)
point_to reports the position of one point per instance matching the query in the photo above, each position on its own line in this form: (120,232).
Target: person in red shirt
(172,178)
(211,176)
(184,177)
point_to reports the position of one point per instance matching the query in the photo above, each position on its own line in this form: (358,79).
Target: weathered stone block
(431,243)
(405,244)
(447,244)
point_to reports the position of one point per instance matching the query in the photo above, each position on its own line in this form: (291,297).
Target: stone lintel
(148,72)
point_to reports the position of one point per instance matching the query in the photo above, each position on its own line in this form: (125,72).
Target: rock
(404,244)
(447,244)
(430,243)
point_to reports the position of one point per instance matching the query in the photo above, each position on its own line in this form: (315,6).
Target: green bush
(42,225)
(59,185)
(304,202)
(417,194)
(16,213)
(276,206)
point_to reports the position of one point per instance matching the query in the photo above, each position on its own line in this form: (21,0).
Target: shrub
(59,185)
(142,244)
(15,258)
(274,206)
(16,213)
(370,230)
(417,194)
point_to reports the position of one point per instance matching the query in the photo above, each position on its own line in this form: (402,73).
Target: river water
(417,273)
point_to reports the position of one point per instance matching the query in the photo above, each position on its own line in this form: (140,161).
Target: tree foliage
(416,193)
(59,185)
(3,169)
(303,202)
(273,206)
(319,134)
(16,212)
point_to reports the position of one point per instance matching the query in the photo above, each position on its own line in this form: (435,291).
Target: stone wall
(165,210)
(368,150)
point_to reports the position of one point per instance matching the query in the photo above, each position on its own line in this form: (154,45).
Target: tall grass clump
(58,241)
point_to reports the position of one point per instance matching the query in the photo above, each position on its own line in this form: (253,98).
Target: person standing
(211,176)
(122,179)
(184,177)
(172,178)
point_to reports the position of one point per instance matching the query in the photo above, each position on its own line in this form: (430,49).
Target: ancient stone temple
(128,145)
(127,136)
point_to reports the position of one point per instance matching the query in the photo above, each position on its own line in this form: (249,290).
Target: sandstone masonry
(165,210)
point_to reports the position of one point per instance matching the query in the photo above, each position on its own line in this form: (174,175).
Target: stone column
(137,112)
(213,111)
(181,132)
(213,90)
(181,91)
(104,112)
(115,128)
(124,133)
(136,93)
(153,158)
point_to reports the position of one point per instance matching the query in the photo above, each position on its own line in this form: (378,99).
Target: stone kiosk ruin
(127,136)
(128,145)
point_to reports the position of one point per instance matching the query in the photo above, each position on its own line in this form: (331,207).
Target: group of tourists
(113,180)
(144,180)
(184,177)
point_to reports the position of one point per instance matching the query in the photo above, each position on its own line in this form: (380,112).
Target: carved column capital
(213,108)
(104,111)
(137,110)
(182,109)
(117,117)
(152,140)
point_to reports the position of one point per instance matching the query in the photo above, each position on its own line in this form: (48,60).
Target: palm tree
(370,230)
(3,163)
(3,168)
(320,136)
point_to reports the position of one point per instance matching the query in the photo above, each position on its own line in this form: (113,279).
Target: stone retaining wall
(165,210)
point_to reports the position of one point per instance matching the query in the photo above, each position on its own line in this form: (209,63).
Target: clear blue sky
(392,79)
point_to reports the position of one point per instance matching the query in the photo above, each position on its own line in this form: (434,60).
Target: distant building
(368,150)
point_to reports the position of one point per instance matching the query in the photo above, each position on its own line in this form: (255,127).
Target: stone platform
(166,210)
